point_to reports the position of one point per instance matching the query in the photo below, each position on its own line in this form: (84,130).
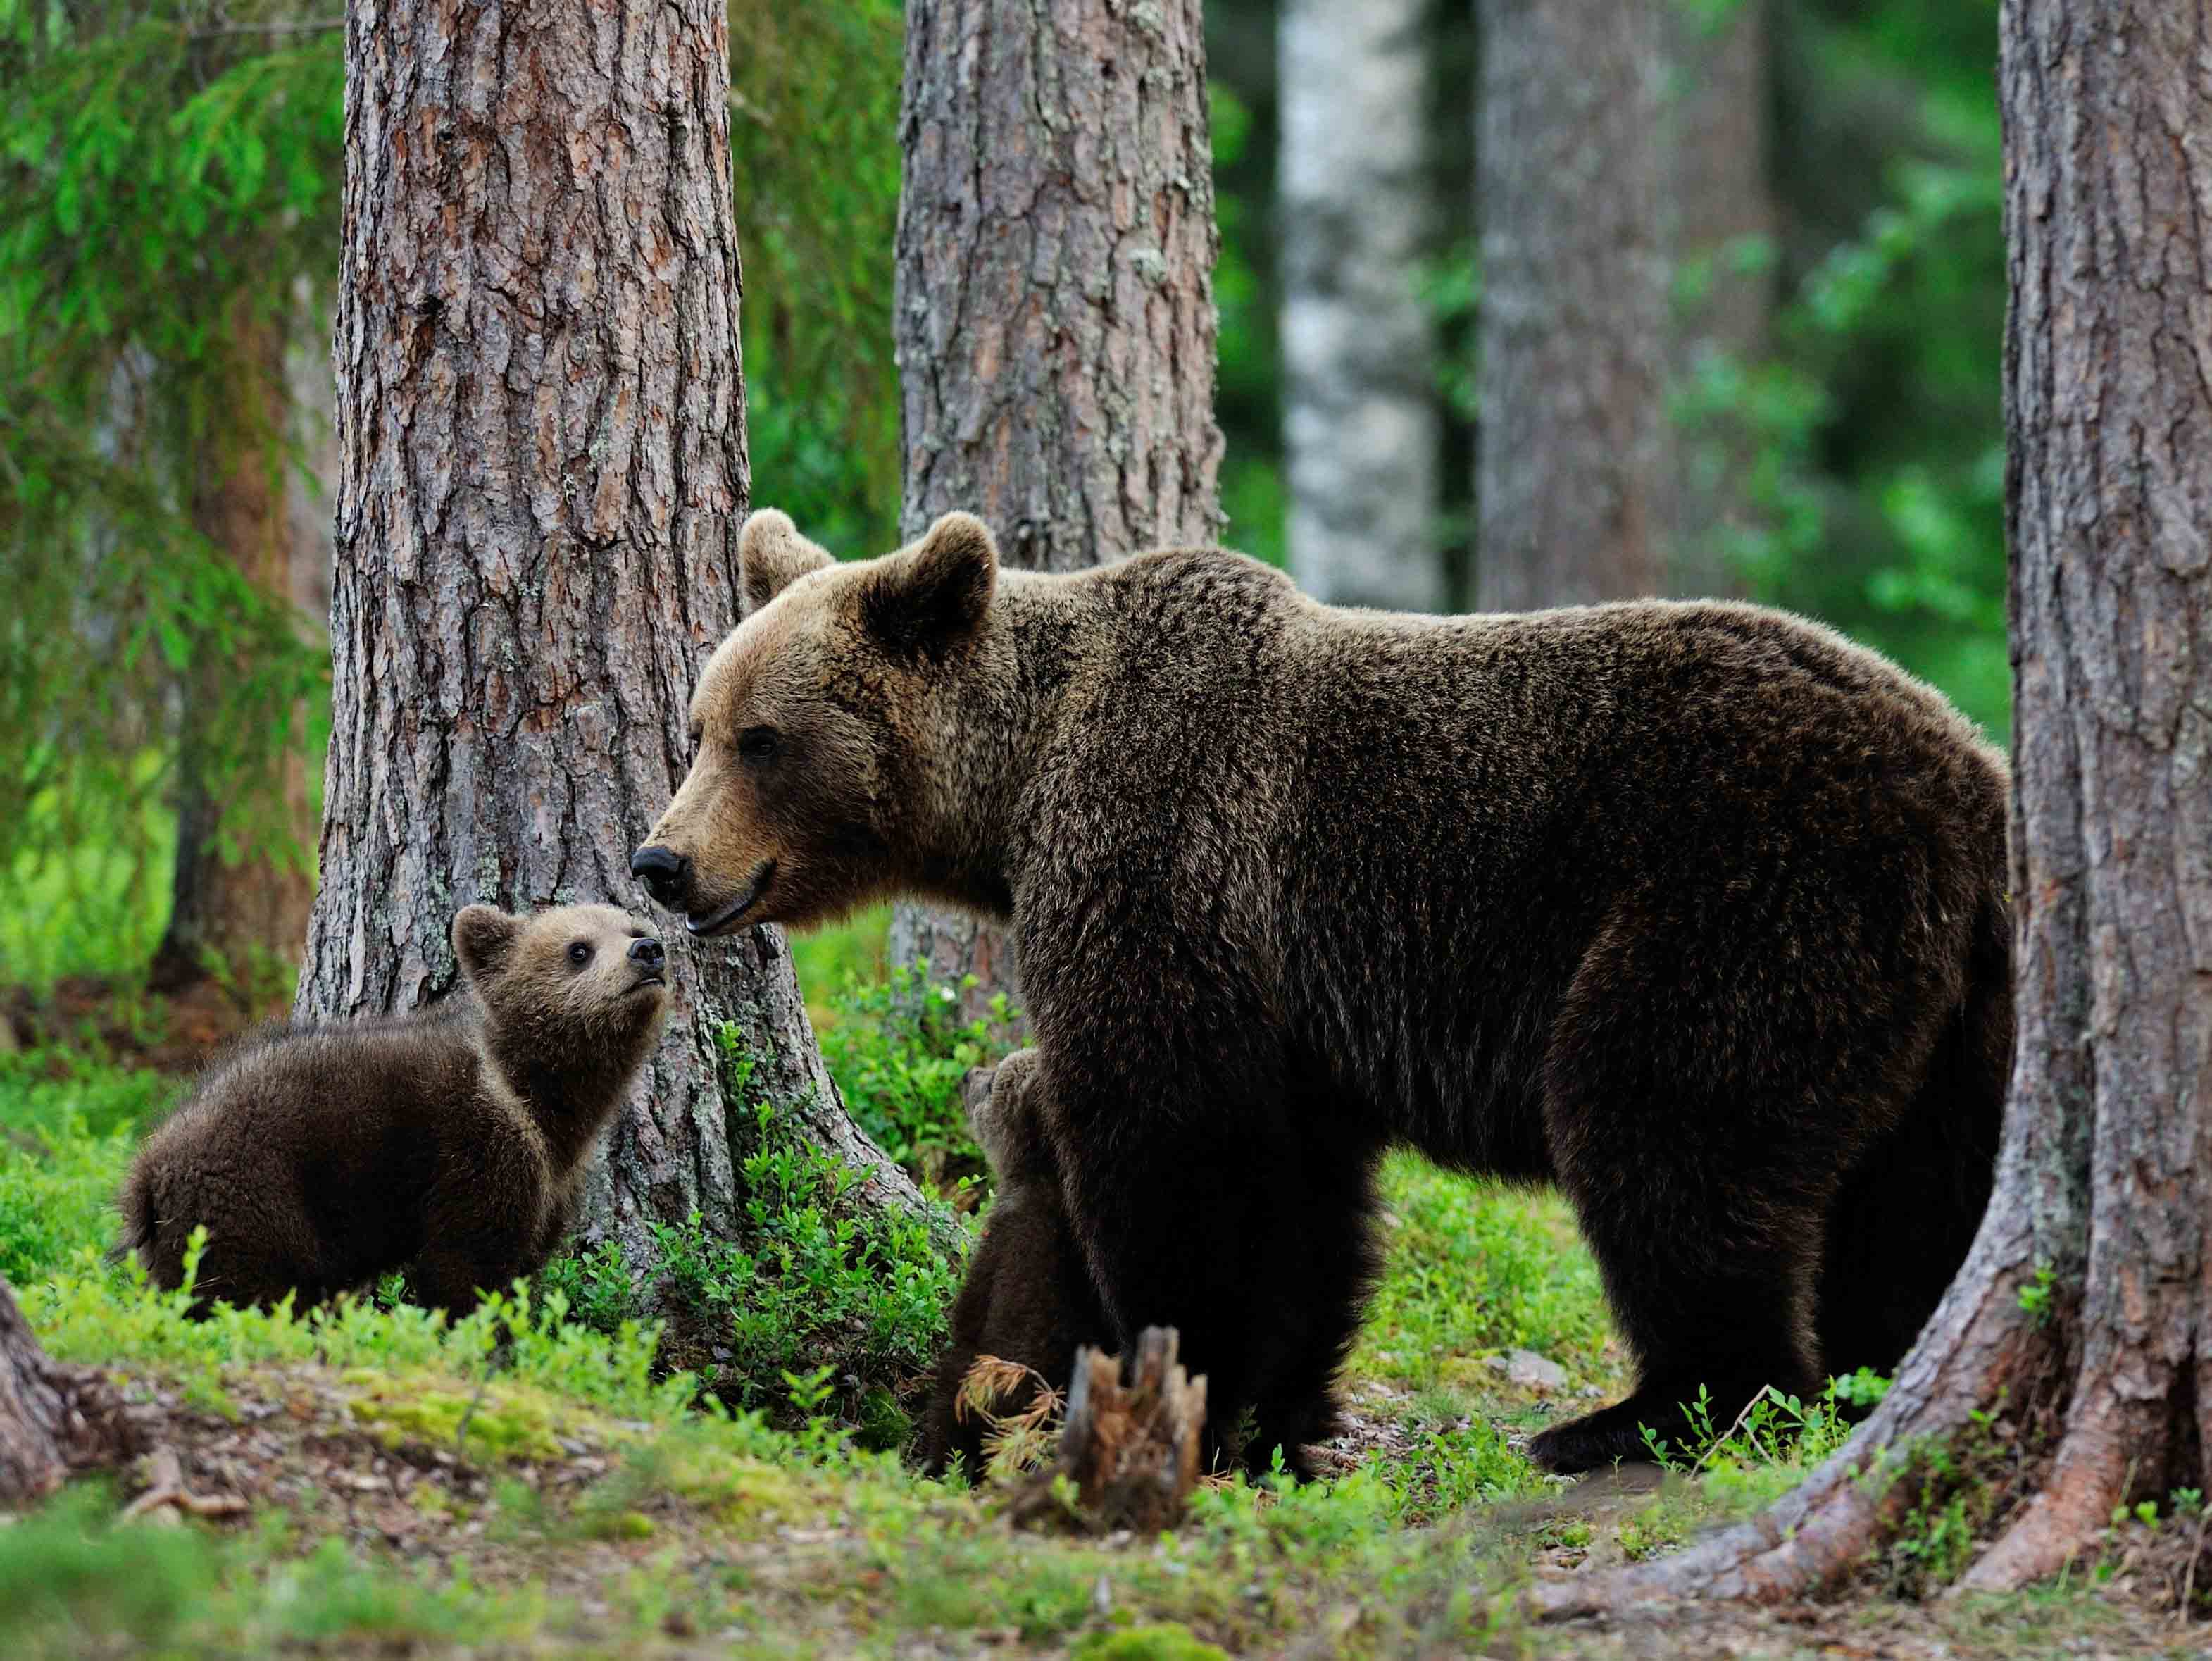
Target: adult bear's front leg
(1197,1208)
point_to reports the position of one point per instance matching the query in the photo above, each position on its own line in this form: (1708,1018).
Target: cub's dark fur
(1697,911)
(1028,1292)
(452,1143)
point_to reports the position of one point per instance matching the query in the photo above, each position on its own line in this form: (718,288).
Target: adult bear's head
(824,735)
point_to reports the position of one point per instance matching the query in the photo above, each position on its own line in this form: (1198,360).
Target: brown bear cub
(1027,1293)
(1696,911)
(452,1143)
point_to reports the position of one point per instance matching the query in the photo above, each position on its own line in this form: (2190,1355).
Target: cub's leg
(1027,1296)
(483,1220)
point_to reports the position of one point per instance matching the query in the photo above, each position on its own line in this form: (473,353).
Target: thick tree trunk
(542,428)
(1572,320)
(1054,306)
(53,1419)
(245,919)
(1716,204)
(2106,1182)
(1361,419)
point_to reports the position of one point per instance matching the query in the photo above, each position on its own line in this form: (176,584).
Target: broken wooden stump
(1129,1443)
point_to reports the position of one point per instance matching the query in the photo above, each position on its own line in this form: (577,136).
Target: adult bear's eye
(579,953)
(759,743)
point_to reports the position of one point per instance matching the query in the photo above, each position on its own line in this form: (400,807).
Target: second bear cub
(1027,1293)
(452,1143)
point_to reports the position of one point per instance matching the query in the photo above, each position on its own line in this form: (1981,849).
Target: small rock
(1530,1370)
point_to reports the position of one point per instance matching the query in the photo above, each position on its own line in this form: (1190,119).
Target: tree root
(1977,1350)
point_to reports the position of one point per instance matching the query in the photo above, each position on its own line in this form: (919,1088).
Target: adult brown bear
(1696,910)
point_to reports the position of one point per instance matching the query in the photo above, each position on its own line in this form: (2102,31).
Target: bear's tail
(1906,1215)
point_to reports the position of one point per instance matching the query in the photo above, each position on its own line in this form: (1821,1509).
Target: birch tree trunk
(1361,425)
(1572,320)
(543,472)
(1717,204)
(1053,311)
(242,919)
(2103,1207)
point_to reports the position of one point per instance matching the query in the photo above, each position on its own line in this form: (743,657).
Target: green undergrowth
(742,1401)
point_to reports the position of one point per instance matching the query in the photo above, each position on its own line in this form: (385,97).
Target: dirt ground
(296,1440)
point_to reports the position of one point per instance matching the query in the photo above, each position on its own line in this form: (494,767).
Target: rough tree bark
(2105,1182)
(53,1419)
(245,919)
(1361,421)
(1572,319)
(1055,305)
(542,429)
(1717,201)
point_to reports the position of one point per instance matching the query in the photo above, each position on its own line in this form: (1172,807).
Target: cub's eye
(759,743)
(579,953)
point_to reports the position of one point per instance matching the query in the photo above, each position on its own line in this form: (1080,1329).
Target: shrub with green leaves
(898,1051)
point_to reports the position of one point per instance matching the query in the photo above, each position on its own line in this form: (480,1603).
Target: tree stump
(1129,1442)
(53,1419)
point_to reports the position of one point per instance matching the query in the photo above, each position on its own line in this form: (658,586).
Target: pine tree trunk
(1717,203)
(1361,421)
(1572,319)
(243,920)
(542,427)
(53,1419)
(2104,1185)
(1054,306)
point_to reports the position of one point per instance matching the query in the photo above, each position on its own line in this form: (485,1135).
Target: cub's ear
(931,595)
(484,939)
(771,556)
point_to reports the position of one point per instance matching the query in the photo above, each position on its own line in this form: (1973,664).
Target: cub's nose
(664,872)
(647,952)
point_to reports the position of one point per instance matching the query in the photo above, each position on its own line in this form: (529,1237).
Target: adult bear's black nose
(647,951)
(664,872)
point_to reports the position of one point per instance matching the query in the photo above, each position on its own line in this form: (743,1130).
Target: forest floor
(529,1483)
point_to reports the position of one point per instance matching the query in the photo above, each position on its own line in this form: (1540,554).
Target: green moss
(1168,1640)
(501,1423)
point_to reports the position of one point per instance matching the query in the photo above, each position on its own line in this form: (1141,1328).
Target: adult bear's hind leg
(1710,1256)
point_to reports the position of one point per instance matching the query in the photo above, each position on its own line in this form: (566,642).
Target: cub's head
(1002,1113)
(584,975)
(819,727)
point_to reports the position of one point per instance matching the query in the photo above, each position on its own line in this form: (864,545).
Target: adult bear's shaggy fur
(1695,911)
(452,1143)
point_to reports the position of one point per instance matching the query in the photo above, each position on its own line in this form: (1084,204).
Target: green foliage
(1249,360)
(111,1316)
(1454,1463)
(1772,1445)
(164,184)
(1873,435)
(1475,1268)
(68,1130)
(814,1285)
(898,1052)
(814,111)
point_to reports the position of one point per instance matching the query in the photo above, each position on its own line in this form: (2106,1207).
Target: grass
(548,1476)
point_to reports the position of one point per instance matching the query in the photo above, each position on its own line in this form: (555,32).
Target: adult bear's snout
(665,873)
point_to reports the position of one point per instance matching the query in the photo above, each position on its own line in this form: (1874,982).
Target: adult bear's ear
(931,595)
(484,939)
(771,556)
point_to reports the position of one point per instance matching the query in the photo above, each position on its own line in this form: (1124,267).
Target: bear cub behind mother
(1696,910)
